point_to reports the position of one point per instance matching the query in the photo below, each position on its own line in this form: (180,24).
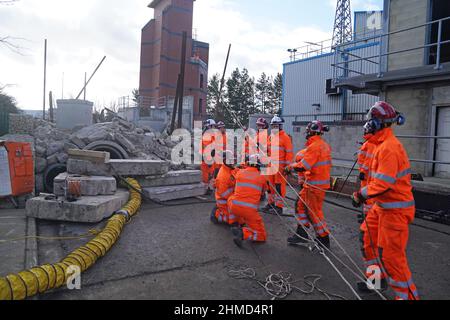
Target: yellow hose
(41,279)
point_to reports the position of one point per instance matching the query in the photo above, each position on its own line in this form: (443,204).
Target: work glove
(362,176)
(287,170)
(357,200)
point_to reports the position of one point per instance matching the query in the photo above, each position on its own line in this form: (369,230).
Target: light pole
(292,52)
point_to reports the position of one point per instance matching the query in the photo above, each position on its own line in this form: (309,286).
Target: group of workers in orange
(385,194)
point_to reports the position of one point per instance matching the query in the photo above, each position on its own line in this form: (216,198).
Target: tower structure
(160,55)
(342,32)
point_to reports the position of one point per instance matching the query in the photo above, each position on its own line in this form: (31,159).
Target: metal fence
(347,64)
(4,123)
(426,161)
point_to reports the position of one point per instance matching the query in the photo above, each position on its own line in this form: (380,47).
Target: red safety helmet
(383,111)
(220,125)
(381,115)
(262,122)
(316,128)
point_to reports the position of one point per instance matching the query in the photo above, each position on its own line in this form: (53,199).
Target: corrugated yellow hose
(41,279)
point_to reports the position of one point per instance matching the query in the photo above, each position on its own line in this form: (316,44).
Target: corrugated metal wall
(305,86)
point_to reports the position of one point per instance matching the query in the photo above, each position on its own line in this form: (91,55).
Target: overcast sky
(81,32)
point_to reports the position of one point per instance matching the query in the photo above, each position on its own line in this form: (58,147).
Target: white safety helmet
(277,120)
(210,123)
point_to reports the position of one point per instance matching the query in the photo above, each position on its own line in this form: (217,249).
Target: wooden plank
(93,156)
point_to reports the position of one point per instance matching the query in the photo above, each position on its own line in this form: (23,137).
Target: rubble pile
(122,139)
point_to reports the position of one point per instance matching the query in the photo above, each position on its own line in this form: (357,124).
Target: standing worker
(220,141)
(369,218)
(389,187)
(245,201)
(316,165)
(207,166)
(225,182)
(281,155)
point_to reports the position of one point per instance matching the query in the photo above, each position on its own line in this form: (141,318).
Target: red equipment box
(21,167)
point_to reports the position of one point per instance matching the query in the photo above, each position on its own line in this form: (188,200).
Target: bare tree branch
(9,43)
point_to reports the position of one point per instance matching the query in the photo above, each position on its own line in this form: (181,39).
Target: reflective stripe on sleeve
(249,185)
(383,177)
(306,164)
(245,204)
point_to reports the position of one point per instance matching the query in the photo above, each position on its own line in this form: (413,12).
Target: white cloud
(81,32)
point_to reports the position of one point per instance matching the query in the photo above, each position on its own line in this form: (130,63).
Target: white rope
(280,285)
(313,239)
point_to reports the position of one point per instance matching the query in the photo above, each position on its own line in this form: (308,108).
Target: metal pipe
(422,137)
(96,69)
(438,58)
(45,78)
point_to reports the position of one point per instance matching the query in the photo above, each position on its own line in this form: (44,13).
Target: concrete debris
(172,178)
(93,156)
(90,185)
(175,192)
(120,138)
(87,209)
(127,168)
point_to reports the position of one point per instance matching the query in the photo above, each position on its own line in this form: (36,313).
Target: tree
(212,109)
(263,89)
(241,98)
(276,94)
(8,41)
(8,104)
(136,96)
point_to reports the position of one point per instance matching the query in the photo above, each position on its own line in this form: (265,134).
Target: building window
(440,9)
(200,106)
(201,81)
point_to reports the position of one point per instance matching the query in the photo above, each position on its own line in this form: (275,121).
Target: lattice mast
(342,32)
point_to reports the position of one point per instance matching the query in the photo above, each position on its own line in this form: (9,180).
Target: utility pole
(50,101)
(182,74)
(85,85)
(90,78)
(219,115)
(175,104)
(45,79)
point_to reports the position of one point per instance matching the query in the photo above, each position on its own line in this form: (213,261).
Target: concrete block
(172,178)
(169,193)
(87,209)
(129,168)
(93,156)
(90,185)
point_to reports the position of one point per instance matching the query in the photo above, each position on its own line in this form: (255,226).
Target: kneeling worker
(244,203)
(224,189)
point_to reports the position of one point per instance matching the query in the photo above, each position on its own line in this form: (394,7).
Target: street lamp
(292,52)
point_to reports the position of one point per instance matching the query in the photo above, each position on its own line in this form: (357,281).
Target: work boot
(277,210)
(296,239)
(213,216)
(238,236)
(364,288)
(324,241)
(267,209)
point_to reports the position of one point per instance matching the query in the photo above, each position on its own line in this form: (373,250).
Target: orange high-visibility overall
(220,141)
(244,203)
(207,166)
(317,163)
(225,182)
(281,155)
(369,228)
(389,186)
(301,175)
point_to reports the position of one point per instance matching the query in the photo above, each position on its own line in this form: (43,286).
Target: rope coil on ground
(280,285)
(37,280)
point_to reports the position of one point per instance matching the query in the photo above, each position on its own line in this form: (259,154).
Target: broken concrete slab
(90,185)
(128,167)
(93,156)
(169,193)
(172,178)
(87,209)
